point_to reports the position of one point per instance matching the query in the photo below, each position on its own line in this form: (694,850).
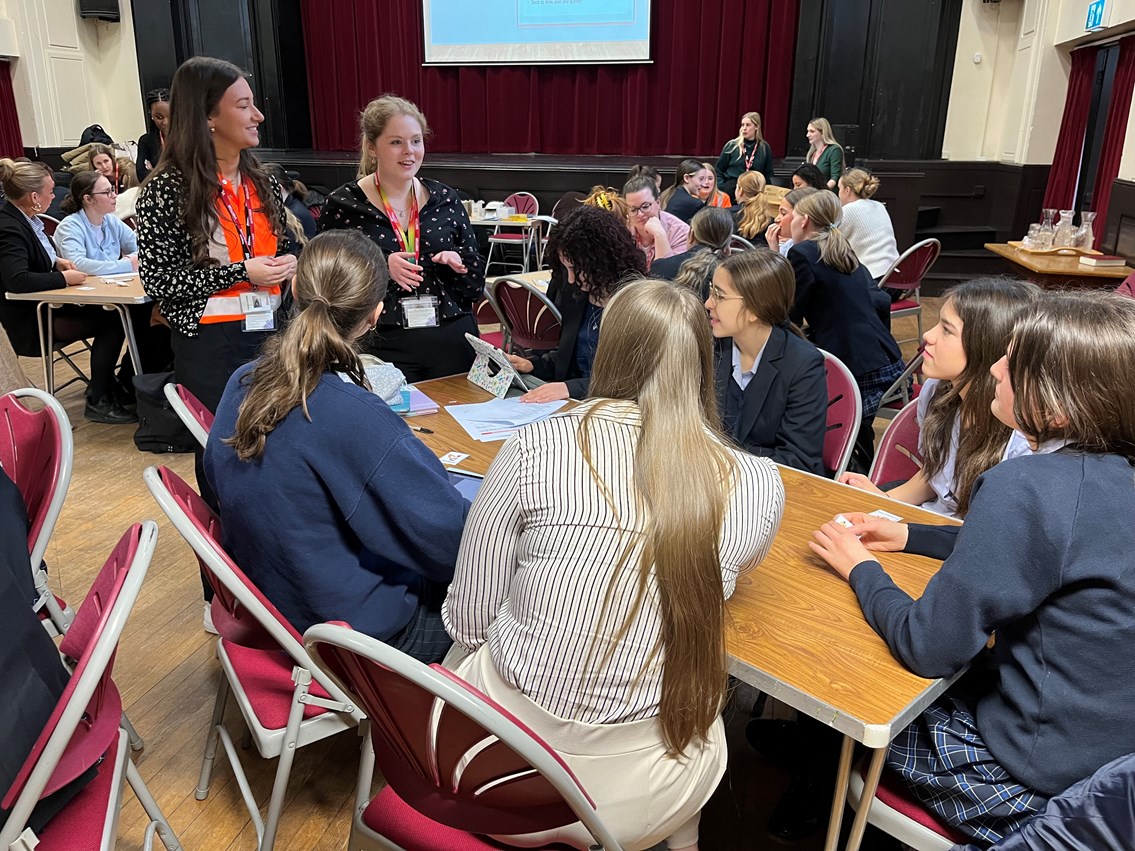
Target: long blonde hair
(372,121)
(826,137)
(823,210)
(754,213)
(340,279)
(739,142)
(656,350)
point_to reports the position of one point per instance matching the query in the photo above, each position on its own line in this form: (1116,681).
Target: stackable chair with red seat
(895,811)
(845,411)
(486,312)
(457,764)
(531,322)
(897,458)
(190,410)
(36,452)
(906,274)
(525,204)
(286,702)
(50,223)
(906,387)
(84,727)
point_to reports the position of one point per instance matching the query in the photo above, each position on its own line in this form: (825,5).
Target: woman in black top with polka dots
(430,246)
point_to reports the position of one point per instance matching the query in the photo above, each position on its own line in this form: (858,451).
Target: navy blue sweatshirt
(342,517)
(1046,559)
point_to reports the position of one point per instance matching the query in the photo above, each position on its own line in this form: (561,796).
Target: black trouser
(424,353)
(74,322)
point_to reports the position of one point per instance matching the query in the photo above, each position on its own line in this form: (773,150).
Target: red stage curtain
(713,61)
(1061,191)
(1114,132)
(11,142)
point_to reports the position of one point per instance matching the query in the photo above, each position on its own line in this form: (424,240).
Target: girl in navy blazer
(847,314)
(771,389)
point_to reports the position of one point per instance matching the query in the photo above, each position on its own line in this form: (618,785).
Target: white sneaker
(209,620)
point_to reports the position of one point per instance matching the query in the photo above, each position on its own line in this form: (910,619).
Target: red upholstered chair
(525,204)
(263,662)
(84,727)
(906,274)
(845,410)
(1127,286)
(50,223)
(531,321)
(895,811)
(897,458)
(191,411)
(36,453)
(487,313)
(457,764)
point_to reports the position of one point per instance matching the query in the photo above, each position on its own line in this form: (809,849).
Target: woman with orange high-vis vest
(211,229)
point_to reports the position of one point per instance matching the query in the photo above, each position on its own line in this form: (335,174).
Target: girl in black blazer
(771,390)
(847,314)
(591,254)
(683,199)
(29,263)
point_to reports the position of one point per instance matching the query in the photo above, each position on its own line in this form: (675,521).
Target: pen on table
(420,429)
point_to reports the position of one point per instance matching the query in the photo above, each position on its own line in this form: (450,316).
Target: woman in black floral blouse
(430,245)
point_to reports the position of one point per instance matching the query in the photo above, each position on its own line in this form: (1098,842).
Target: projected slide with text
(536,30)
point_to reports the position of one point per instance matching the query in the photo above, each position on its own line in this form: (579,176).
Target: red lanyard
(408,239)
(246,235)
(750,157)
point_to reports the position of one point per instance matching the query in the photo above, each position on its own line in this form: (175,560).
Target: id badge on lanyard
(419,311)
(258,307)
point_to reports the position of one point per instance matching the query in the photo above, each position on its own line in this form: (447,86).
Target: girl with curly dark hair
(592,255)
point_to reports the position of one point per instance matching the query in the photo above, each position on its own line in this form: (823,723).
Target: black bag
(95,133)
(159,427)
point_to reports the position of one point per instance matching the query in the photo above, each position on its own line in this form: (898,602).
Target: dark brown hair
(82,185)
(989,309)
(197,89)
(600,248)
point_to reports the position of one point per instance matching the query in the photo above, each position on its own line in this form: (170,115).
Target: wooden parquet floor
(167,673)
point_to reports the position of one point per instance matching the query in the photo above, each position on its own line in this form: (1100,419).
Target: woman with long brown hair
(593,575)
(379,523)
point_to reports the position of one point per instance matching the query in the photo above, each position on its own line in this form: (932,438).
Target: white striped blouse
(541,545)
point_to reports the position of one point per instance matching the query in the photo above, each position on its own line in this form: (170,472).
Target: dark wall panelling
(1119,227)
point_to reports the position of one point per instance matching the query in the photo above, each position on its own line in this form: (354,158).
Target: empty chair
(530,321)
(84,728)
(906,274)
(845,412)
(525,204)
(457,764)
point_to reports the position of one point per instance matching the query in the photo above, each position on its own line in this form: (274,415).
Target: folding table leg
(131,341)
(870,784)
(839,800)
(46,346)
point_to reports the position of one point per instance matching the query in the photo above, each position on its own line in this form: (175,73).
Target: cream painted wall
(73,72)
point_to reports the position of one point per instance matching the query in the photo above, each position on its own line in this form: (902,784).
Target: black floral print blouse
(444,226)
(165,254)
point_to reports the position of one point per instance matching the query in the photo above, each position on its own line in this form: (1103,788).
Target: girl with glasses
(91,236)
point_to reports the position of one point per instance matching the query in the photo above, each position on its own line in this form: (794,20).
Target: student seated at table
(843,309)
(593,574)
(772,393)
(91,236)
(959,438)
(328,501)
(750,215)
(656,232)
(713,196)
(1044,561)
(29,262)
(779,233)
(591,254)
(710,232)
(867,224)
(607,198)
(684,198)
(808,175)
(119,171)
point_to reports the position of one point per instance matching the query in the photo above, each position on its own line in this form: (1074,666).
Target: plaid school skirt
(872,385)
(943,758)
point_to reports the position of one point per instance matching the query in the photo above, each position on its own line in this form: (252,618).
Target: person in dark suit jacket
(28,262)
(592,254)
(771,388)
(683,199)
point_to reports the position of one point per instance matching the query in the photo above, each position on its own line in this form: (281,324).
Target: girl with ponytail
(847,314)
(329,502)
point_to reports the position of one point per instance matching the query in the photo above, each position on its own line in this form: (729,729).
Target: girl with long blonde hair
(327,499)
(747,152)
(593,576)
(751,213)
(824,151)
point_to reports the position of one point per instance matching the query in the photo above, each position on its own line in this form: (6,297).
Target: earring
(212,129)
(37,207)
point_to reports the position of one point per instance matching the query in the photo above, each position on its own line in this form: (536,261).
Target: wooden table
(112,294)
(1055,270)
(795,629)
(539,280)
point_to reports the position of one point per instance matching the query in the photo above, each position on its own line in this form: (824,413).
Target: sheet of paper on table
(497,419)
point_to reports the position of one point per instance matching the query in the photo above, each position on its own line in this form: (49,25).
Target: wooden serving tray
(1066,250)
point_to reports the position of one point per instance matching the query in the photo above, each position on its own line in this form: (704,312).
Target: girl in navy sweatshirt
(1044,561)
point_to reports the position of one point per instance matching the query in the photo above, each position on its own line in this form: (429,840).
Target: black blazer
(24,268)
(559,363)
(784,409)
(844,312)
(683,205)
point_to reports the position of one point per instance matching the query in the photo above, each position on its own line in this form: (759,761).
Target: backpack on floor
(160,429)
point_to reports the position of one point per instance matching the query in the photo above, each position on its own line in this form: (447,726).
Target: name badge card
(420,312)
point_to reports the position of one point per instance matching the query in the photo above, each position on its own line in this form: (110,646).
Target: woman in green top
(748,152)
(824,151)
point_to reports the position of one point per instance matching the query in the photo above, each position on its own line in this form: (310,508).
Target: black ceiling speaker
(104,10)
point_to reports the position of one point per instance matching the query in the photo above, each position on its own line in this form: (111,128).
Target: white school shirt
(541,544)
